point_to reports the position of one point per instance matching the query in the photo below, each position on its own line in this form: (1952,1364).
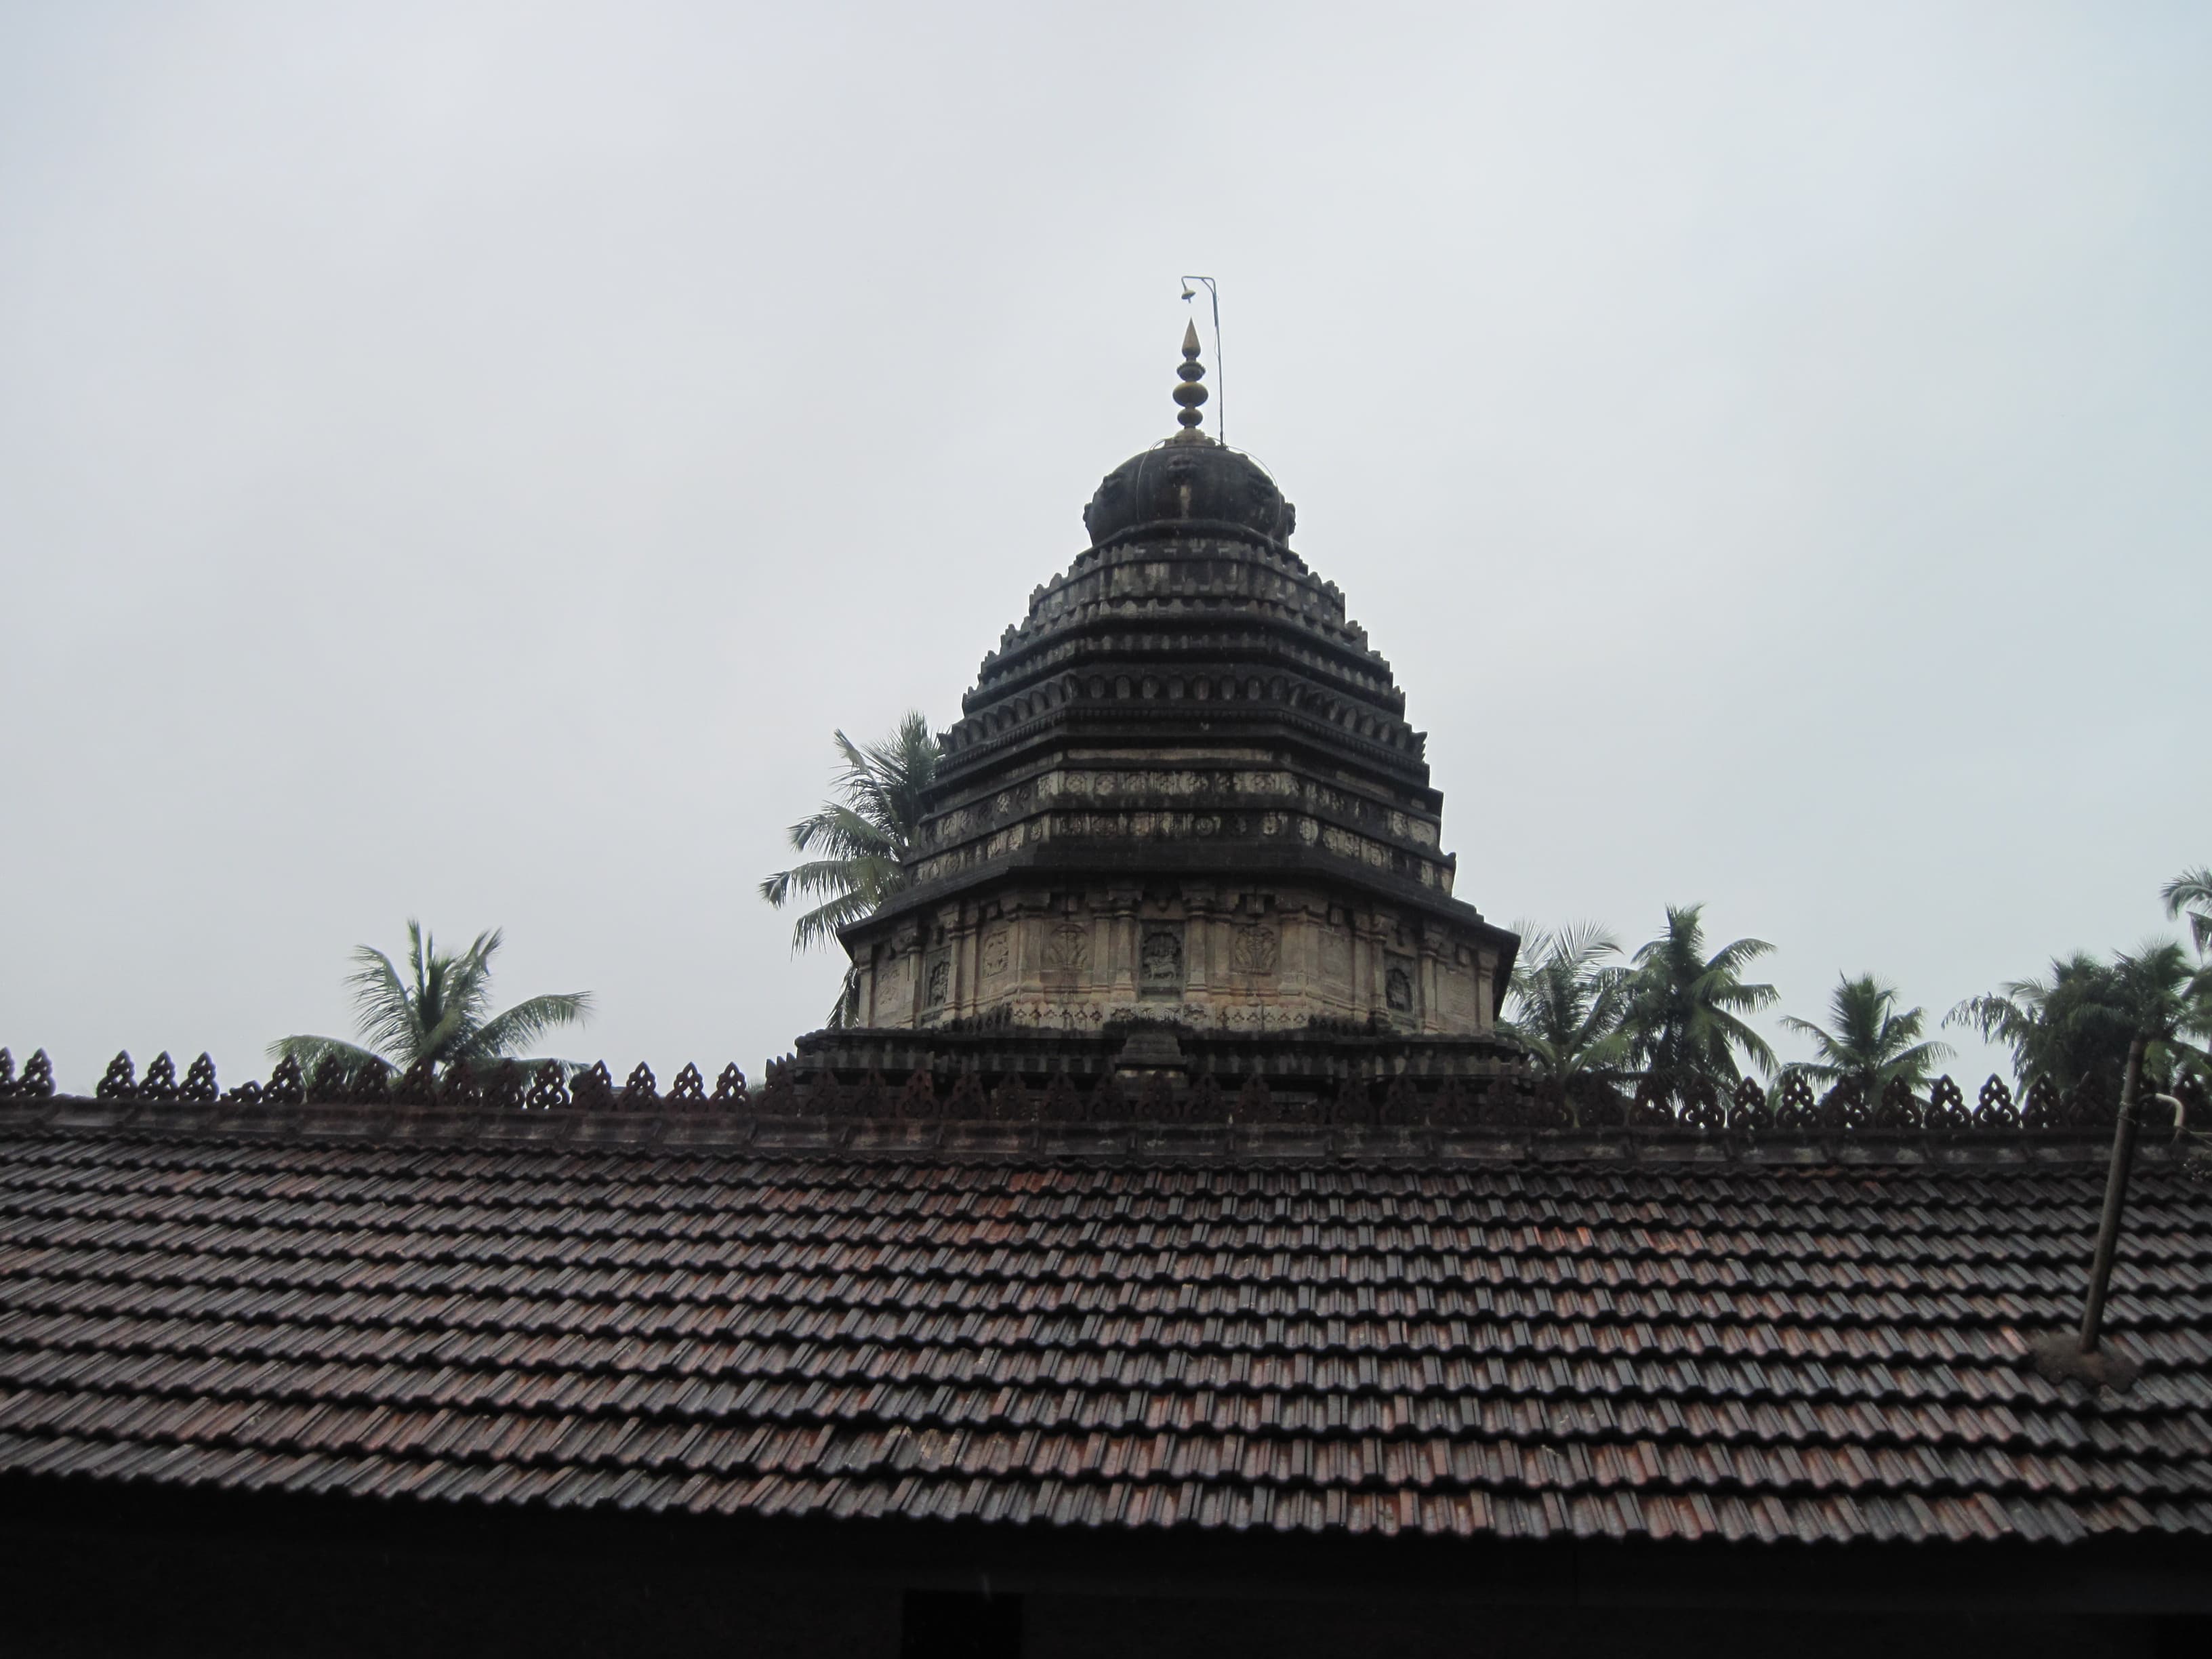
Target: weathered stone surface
(1252,951)
(1183,793)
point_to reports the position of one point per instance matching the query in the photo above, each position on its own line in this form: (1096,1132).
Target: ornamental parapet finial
(1192,391)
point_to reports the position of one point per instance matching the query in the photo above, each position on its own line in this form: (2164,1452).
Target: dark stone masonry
(1183,796)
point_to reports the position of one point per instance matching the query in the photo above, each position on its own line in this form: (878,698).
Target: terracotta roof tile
(1725,1349)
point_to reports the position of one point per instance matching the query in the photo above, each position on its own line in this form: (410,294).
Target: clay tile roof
(1594,1344)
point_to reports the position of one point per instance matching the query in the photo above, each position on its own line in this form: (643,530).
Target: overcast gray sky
(462,460)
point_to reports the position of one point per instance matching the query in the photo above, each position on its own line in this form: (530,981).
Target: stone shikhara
(1183,793)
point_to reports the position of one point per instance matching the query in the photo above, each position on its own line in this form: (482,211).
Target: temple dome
(1188,485)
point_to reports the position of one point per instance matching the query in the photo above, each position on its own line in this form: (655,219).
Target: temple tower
(1182,796)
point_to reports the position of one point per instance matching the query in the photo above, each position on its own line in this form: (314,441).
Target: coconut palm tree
(2076,1024)
(2165,1002)
(1868,1041)
(2062,1026)
(438,1010)
(1565,1001)
(1683,1005)
(2190,894)
(861,840)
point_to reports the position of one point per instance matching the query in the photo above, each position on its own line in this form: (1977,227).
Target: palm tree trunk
(2116,1198)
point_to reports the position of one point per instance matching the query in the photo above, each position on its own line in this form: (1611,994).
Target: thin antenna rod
(1220,397)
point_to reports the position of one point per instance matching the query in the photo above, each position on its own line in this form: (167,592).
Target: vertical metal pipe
(1220,374)
(1220,370)
(2116,1196)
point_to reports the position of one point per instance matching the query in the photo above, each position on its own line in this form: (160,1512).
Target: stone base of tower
(1244,951)
(1138,1070)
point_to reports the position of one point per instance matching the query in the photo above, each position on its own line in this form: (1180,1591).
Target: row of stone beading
(1340,715)
(511,1084)
(1127,581)
(1502,1103)
(1074,656)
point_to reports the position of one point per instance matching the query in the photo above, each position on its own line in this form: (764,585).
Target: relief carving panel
(895,991)
(1399,984)
(1255,950)
(1160,960)
(1336,960)
(1067,949)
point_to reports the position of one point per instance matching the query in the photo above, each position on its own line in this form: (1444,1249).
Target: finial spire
(1190,394)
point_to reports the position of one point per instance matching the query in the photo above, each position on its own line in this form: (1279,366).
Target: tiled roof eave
(1622,1338)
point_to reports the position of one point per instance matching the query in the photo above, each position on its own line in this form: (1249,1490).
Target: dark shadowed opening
(956,1625)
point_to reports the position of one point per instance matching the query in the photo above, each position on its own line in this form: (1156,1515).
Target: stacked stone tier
(1261,800)
(1182,793)
(1209,634)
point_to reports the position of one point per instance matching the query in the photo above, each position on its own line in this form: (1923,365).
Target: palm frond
(515,1030)
(861,839)
(1605,1053)
(1738,954)
(821,925)
(843,1012)
(1994,1017)
(840,832)
(2190,894)
(2155,981)
(1919,1060)
(900,771)
(311,1051)
(445,1041)
(871,879)
(1683,930)
(1823,1044)
(383,1008)
(1577,944)
(468,984)
(1563,1004)
(885,782)
(1735,1034)
(1719,986)
(865,787)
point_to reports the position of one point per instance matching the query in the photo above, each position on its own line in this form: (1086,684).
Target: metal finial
(1221,386)
(1190,394)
